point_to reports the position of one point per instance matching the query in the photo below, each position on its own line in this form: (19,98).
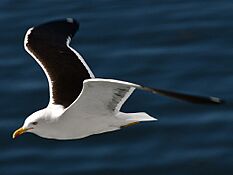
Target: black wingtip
(187,97)
(216,100)
(56,31)
(73,21)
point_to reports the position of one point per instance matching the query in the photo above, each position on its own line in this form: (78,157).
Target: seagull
(80,105)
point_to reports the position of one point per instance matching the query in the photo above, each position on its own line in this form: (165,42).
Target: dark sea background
(182,45)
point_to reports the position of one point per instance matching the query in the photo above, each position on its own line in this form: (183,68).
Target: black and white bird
(80,105)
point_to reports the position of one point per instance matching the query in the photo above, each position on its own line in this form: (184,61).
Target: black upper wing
(65,69)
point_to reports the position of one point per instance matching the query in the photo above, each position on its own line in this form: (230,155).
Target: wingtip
(72,21)
(217,100)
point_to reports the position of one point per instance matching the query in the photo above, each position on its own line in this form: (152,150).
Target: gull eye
(34,123)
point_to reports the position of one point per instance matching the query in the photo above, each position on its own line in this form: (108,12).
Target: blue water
(180,45)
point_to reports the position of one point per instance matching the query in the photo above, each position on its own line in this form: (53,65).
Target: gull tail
(135,117)
(139,117)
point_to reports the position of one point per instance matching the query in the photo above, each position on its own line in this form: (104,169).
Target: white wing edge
(79,57)
(51,100)
(113,81)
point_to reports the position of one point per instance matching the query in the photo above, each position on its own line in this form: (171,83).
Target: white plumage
(80,104)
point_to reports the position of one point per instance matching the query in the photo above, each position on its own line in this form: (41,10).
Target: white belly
(79,127)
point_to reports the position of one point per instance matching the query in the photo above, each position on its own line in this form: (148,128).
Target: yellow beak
(18,132)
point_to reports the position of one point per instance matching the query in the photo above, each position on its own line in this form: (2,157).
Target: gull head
(34,123)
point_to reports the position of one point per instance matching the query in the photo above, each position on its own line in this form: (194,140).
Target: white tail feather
(136,117)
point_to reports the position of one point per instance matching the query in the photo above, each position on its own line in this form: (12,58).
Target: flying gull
(80,105)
